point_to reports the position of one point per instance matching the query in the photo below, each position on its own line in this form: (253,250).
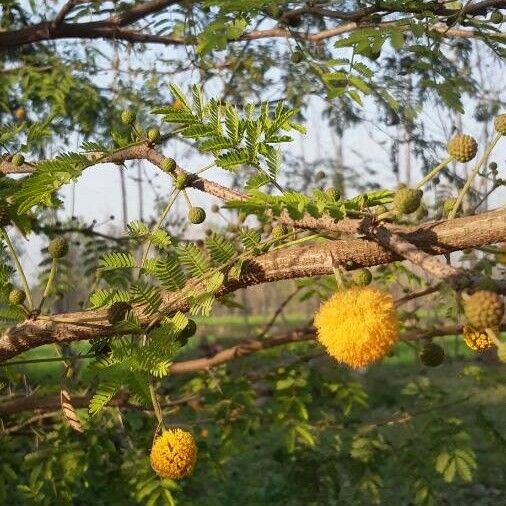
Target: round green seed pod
(274,11)
(297,57)
(168,165)
(333,193)
(407,200)
(117,312)
(320,175)
(58,247)
(362,277)
(496,17)
(187,332)
(196,215)
(182,181)
(432,355)
(279,231)
(153,135)
(128,117)
(18,159)
(17,296)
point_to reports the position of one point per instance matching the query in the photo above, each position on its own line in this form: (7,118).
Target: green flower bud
(153,135)
(182,181)
(196,215)
(128,117)
(168,165)
(17,296)
(58,247)
(18,159)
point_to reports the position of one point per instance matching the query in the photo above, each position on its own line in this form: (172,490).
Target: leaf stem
(49,283)
(172,198)
(434,172)
(156,404)
(19,268)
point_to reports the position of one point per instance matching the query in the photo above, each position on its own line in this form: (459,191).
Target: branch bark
(434,238)
(113,27)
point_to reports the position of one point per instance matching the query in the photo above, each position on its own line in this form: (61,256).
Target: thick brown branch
(409,251)
(434,238)
(113,27)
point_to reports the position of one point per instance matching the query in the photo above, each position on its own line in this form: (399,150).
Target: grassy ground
(383,383)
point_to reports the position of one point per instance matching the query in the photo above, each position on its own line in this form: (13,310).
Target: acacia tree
(146,286)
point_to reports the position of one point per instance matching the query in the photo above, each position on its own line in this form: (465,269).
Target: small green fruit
(362,277)
(117,312)
(168,165)
(432,355)
(17,296)
(196,215)
(58,247)
(297,57)
(128,117)
(407,200)
(279,231)
(181,182)
(18,159)
(333,193)
(153,135)
(496,17)
(187,332)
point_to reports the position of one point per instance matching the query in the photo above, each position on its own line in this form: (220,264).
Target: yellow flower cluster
(174,454)
(477,340)
(358,326)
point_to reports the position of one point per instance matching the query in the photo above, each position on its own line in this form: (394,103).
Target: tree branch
(434,238)
(113,27)
(52,402)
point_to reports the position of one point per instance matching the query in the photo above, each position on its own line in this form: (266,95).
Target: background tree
(211,97)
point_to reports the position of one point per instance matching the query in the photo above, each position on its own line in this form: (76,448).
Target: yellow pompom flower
(476,339)
(173,454)
(358,326)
